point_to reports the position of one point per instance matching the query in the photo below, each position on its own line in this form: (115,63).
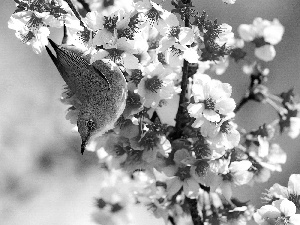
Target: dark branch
(184,83)
(194,211)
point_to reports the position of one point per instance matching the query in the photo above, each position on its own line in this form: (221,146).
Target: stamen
(136,76)
(183,173)
(174,31)
(153,84)
(209,103)
(225,127)
(152,16)
(110,23)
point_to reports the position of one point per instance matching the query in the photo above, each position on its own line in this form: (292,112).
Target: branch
(184,83)
(194,211)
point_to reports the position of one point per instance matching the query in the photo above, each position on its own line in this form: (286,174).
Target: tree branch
(184,82)
(194,211)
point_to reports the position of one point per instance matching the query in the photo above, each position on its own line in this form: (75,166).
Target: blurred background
(44,180)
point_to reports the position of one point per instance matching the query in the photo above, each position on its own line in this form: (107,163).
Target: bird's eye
(90,124)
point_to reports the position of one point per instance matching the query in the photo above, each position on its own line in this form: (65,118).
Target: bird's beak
(83,145)
(84,142)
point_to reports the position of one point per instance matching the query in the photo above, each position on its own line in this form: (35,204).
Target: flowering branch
(141,50)
(184,83)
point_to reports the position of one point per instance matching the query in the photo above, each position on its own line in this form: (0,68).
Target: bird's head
(87,127)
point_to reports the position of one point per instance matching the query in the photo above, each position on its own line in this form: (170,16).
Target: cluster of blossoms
(264,34)
(283,203)
(177,130)
(32,20)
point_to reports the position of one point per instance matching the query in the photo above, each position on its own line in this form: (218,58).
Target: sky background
(44,179)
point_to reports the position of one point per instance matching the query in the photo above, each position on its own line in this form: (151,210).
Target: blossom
(155,15)
(156,85)
(264,34)
(226,37)
(281,211)
(292,192)
(266,53)
(173,33)
(121,53)
(238,174)
(212,99)
(110,28)
(181,176)
(32,19)
(220,136)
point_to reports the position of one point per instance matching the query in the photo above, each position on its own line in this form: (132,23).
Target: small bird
(100,87)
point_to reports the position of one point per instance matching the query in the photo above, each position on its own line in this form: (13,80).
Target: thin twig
(74,10)
(242,102)
(85,5)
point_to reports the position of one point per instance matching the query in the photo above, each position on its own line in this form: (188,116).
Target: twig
(76,13)
(85,5)
(242,102)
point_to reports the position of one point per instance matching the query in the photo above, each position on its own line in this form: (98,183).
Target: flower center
(225,127)
(115,55)
(153,84)
(153,44)
(34,22)
(174,31)
(152,16)
(110,23)
(28,37)
(116,207)
(176,51)
(227,176)
(136,76)
(295,198)
(282,221)
(119,150)
(183,173)
(107,3)
(209,104)
(161,58)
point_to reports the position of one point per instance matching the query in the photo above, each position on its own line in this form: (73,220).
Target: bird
(100,87)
